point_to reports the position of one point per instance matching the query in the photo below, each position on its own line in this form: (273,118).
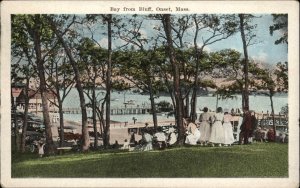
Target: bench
(62,149)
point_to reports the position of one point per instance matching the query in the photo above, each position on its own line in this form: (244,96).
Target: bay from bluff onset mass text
(147,9)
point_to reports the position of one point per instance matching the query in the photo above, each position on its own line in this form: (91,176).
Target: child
(41,148)
(126,145)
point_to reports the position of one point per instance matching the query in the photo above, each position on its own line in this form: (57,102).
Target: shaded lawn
(256,160)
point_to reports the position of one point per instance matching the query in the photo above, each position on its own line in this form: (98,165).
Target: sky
(263,51)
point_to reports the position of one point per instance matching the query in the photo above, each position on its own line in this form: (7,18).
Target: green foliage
(165,106)
(272,80)
(225,63)
(225,24)
(120,85)
(280,24)
(225,92)
(282,80)
(285,110)
(140,67)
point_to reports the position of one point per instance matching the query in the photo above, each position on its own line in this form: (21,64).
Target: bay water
(258,103)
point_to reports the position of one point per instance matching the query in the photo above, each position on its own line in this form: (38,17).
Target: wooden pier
(113,111)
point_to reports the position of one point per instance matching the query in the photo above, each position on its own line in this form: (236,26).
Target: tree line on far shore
(59,52)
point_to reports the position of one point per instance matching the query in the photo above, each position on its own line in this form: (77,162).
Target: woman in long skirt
(205,126)
(228,132)
(217,131)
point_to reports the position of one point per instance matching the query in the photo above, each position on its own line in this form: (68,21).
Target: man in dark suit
(246,126)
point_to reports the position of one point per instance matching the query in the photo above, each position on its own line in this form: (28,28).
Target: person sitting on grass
(193,134)
(116,145)
(147,140)
(264,132)
(258,134)
(172,138)
(126,145)
(137,147)
(282,137)
(160,138)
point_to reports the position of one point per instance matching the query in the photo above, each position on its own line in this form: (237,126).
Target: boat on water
(130,102)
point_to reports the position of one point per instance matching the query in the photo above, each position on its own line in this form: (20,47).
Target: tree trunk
(198,53)
(272,109)
(60,109)
(85,135)
(61,121)
(178,99)
(186,90)
(101,121)
(217,103)
(153,107)
(16,130)
(43,90)
(187,103)
(94,118)
(194,103)
(246,62)
(108,82)
(25,121)
(169,87)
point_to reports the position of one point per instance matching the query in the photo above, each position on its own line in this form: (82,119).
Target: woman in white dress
(205,129)
(172,137)
(126,145)
(193,134)
(228,129)
(217,131)
(147,138)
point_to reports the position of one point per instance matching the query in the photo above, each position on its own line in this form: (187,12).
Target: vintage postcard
(149,94)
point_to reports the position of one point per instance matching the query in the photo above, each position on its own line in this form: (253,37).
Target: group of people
(149,140)
(268,135)
(212,128)
(217,129)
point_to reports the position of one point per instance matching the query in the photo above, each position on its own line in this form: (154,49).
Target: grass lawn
(256,160)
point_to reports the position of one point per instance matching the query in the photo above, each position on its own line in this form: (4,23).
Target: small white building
(35,101)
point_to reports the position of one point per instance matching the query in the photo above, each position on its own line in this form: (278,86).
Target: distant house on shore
(35,101)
